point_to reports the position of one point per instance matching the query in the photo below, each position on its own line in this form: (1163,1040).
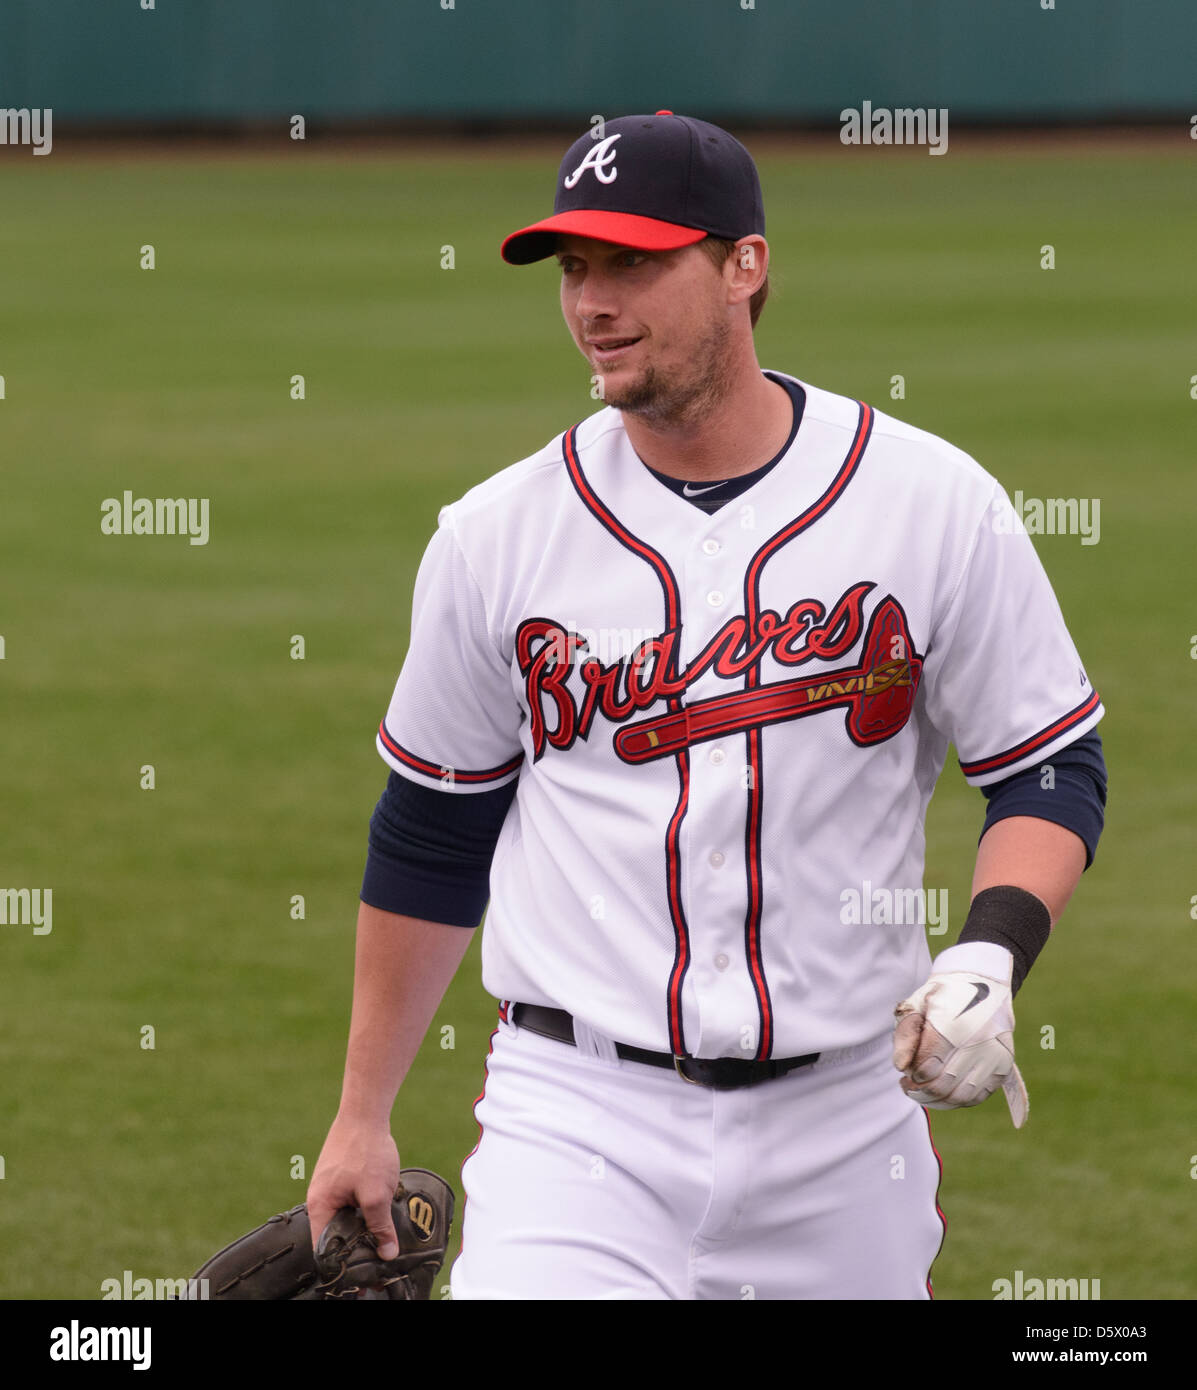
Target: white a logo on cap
(597,159)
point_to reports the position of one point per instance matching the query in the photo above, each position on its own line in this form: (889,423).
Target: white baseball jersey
(724,726)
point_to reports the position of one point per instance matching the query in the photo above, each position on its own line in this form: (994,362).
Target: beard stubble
(671,402)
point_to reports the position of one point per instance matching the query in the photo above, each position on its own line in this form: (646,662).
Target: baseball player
(679,688)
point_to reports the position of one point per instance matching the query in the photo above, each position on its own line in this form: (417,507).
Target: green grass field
(171,907)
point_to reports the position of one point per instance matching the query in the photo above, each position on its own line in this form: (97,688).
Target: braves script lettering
(548,656)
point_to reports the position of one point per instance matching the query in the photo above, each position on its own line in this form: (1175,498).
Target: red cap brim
(536,242)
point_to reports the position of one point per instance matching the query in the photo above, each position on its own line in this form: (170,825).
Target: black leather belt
(720,1073)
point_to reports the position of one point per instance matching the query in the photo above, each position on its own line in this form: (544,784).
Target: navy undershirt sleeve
(1076,800)
(430,851)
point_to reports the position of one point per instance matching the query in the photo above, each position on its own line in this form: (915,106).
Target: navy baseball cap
(653,182)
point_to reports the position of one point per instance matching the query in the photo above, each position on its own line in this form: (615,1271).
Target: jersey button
(715,598)
(711,547)
(718,756)
(721,961)
(716,860)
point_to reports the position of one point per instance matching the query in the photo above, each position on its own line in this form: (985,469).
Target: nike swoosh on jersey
(982,993)
(688,490)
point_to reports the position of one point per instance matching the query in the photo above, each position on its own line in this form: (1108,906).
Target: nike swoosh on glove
(954,1036)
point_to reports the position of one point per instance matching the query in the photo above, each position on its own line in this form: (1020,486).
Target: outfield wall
(784,61)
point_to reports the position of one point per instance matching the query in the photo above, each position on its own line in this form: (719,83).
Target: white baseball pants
(599,1178)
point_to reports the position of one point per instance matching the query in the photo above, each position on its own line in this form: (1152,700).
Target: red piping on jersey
(752,679)
(489,774)
(485,1078)
(943,1220)
(673,610)
(1012,755)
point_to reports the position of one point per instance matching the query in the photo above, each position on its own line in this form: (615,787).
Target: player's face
(655,325)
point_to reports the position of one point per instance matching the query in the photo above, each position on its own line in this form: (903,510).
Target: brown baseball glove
(275,1262)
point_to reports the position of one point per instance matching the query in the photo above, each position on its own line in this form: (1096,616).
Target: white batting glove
(954,1037)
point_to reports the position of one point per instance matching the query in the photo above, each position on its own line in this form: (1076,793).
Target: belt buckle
(677,1066)
(725,1073)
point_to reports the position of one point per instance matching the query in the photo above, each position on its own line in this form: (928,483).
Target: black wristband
(1013,918)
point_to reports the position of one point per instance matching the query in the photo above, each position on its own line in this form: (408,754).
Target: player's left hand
(954,1038)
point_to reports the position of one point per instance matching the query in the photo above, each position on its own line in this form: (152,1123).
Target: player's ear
(747,268)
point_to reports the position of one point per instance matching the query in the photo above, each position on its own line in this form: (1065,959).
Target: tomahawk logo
(599,158)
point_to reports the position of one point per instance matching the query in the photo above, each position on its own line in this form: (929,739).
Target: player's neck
(743,433)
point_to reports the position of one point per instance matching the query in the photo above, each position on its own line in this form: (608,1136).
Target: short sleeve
(453,721)
(1003,679)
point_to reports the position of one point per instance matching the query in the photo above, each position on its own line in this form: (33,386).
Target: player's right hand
(358,1167)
